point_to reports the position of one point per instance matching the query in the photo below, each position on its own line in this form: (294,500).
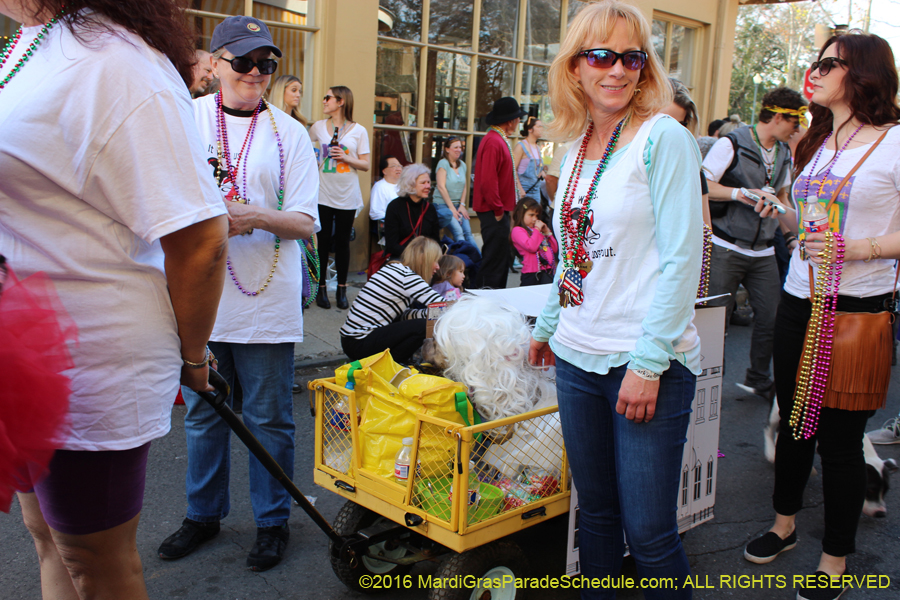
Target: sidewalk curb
(317,363)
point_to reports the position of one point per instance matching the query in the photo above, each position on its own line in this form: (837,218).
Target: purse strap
(846,178)
(418,224)
(834,196)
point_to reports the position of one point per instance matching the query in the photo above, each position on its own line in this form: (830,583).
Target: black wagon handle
(217,401)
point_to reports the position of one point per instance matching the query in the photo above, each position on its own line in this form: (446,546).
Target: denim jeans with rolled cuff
(627,475)
(459,230)
(266,372)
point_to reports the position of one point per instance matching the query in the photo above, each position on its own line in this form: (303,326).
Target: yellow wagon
(467,488)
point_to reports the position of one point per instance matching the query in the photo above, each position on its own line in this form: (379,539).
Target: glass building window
(397,84)
(674,43)
(450,22)
(469,64)
(542,30)
(535,97)
(451,74)
(406,17)
(495,80)
(499,27)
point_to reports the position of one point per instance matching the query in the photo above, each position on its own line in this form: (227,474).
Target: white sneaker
(888,434)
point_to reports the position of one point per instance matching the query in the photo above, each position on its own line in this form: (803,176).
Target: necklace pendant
(584,267)
(570,288)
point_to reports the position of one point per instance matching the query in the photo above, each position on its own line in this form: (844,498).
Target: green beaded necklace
(29,52)
(762,153)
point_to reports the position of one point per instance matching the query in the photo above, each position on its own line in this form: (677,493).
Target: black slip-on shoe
(764,549)
(184,541)
(825,587)
(269,547)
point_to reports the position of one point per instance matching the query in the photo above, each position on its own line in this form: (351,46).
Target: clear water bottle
(339,444)
(815,219)
(402,461)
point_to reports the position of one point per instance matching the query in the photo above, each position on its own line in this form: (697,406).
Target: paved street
(217,571)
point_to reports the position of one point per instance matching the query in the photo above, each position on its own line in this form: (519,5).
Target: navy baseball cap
(242,35)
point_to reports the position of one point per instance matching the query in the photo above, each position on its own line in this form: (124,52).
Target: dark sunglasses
(826,64)
(242,64)
(601,58)
(329,97)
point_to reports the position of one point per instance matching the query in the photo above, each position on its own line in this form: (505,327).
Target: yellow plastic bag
(392,398)
(358,371)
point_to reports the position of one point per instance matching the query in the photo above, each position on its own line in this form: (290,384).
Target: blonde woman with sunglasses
(619,325)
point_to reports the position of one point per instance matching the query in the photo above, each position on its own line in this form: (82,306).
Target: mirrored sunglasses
(826,64)
(601,58)
(243,65)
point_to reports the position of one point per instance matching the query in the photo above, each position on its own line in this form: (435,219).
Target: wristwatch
(646,374)
(206,361)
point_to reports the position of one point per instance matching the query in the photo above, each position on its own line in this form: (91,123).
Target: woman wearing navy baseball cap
(265,168)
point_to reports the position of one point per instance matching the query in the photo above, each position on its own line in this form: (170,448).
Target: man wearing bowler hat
(496,193)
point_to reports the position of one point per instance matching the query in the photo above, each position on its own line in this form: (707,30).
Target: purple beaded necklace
(222,143)
(831,164)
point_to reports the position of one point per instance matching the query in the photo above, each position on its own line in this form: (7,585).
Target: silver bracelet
(207,360)
(646,374)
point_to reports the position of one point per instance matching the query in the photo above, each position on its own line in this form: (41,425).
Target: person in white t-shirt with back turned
(108,193)
(340,196)
(264,164)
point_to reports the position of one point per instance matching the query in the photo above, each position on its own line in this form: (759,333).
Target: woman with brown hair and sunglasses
(339,194)
(619,326)
(109,194)
(854,109)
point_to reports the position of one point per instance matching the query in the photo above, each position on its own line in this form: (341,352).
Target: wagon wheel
(492,561)
(351,518)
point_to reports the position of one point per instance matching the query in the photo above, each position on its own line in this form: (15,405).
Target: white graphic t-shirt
(868,206)
(339,181)
(275,315)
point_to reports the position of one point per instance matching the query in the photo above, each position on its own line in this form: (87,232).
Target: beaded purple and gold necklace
(816,361)
(222,144)
(703,288)
(29,52)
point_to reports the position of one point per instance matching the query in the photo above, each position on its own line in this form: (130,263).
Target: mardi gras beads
(816,360)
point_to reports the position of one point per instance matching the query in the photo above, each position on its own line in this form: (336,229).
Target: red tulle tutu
(34,395)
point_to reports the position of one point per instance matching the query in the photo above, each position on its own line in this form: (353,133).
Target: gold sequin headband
(800,113)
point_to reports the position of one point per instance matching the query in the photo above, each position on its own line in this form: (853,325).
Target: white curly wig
(484,345)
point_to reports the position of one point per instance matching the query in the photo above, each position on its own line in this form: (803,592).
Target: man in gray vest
(756,158)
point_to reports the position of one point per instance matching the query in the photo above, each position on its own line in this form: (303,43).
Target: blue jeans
(458,229)
(266,372)
(627,475)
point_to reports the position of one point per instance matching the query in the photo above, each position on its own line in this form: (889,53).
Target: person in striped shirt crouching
(381,317)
